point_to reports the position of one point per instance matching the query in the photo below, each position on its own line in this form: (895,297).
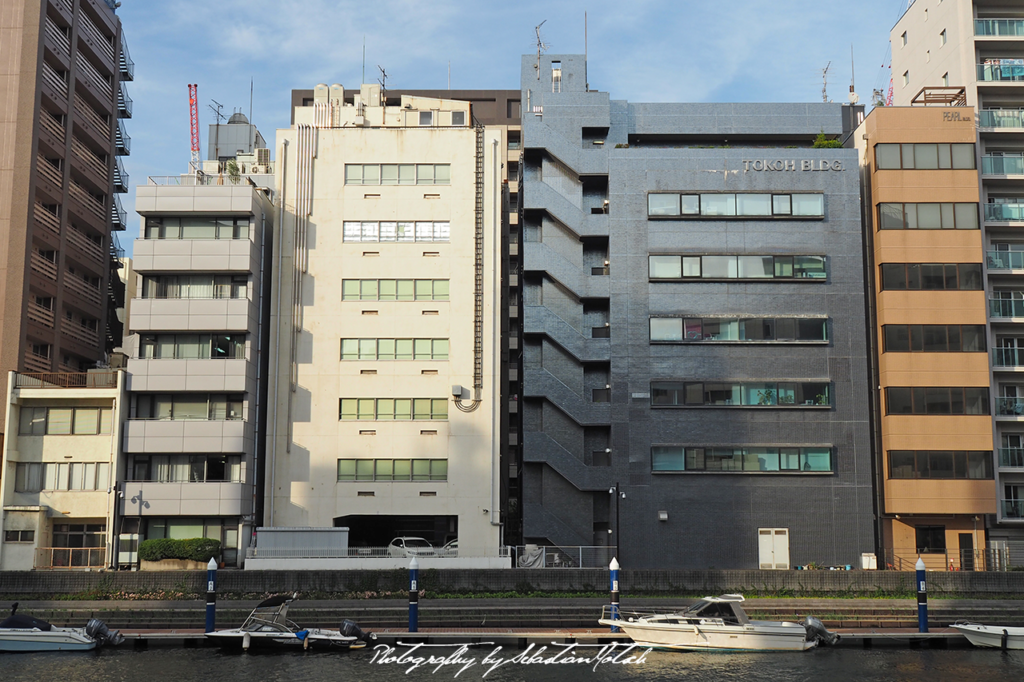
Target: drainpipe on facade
(495,342)
(276,372)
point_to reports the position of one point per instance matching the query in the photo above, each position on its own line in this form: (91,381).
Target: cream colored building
(386,394)
(58,491)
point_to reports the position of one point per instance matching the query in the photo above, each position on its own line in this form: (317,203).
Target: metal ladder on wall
(478,282)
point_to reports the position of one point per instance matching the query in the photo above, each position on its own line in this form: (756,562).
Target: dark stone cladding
(713,519)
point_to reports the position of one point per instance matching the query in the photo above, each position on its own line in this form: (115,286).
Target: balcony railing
(1011,458)
(948,559)
(50,125)
(122,141)
(124,102)
(46,379)
(65,557)
(1004,307)
(102,42)
(48,171)
(58,37)
(89,201)
(87,159)
(1005,70)
(1008,357)
(1001,118)
(1005,260)
(41,315)
(86,112)
(1012,509)
(1002,165)
(120,176)
(1010,407)
(126,64)
(44,267)
(83,244)
(55,81)
(46,219)
(1004,213)
(79,333)
(91,74)
(35,363)
(82,288)
(999,27)
(118,216)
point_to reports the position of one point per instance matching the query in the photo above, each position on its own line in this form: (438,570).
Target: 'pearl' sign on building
(792,165)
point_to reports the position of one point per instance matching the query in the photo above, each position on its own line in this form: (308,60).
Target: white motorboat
(718,623)
(27,634)
(992,636)
(268,626)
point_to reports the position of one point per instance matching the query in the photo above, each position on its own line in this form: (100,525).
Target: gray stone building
(695,388)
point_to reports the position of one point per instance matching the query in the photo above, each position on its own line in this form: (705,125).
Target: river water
(212,665)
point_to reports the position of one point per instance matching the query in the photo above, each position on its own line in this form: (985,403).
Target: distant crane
(193,115)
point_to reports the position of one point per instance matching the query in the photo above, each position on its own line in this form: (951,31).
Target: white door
(773,548)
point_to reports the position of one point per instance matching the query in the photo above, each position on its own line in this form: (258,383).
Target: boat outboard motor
(816,632)
(350,629)
(98,630)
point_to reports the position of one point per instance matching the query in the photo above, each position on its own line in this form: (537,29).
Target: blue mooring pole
(211,594)
(414,596)
(614,568)
(922,597)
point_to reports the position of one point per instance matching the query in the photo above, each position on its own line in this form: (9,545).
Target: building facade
(58,490)
(977,45)
(695,367)
(935,462)
(194,434)
(65,101)
(387,400)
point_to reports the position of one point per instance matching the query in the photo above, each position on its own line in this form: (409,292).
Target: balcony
(1005,260)
(50,172)
(55,81)
(90,75)
(1004,213)
(82,244)
(1008,357)
(122,141)
(1011,458)
(1001,71)
(191,499)
(88,119)
(49,125)
(1003,165)
(1001,118)
(46,220)
(47,379)
(1010,407)
(1005,307)
(67,557)
(86,200)
(120,176)
(118,216)
(78,286)
(194,435)
(40,315)
(999,27)
(85,159)
(124,102)
(1012,509)
(80,333)
(126,65)
(36,363)
(58,38)
(100,44)
(43,266)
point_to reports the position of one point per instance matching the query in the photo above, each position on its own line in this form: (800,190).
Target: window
(79,535)
(396,231)
(392,470)
(904,38)
(192,346)
(196,227)
(744,459)
(917,338)
(958,464)
(942,37)
(189,406)
(459,119)
(945,79)
(34,477)
(924,156)
(736,267)
(393,409)
(739,329)
(928,216)
(64,421)
(394,290)
(186,468)
(906,78)
(195,286)
(736,394)
(931,276)
(19,536)
(426,118)
(394,349)
(676,205)
(398,174)
(931,539)
(937,400)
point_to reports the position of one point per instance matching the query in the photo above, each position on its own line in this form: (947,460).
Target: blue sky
(640,50)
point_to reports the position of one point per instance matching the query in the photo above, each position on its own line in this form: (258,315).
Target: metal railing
(86,112)
(1004,213)
(125,63)
(38,313)
(1011,458)
(999,27)
(1002,165)
(87,159)
(84,289)
(65,379)
(58,36)
(120,176)
(48,171)
(1001,70)
(124,102)
(87,200)
(43,266)
(103,43)
(376,553)
(1010,407)
(122,140)
(205,180)
(1008,357)
(91,74)
(80,333)
(1012,509)
(542,556)
(46,219)
(55,81)
(1001,118)
(1005,260)
(1006,307)
(905,559)
(66,557)
(118,216)
(50,125)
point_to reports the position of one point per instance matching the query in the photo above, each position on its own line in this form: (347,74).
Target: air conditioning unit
(256,169)
(263,156)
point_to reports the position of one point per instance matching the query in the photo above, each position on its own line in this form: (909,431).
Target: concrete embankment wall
(324,584)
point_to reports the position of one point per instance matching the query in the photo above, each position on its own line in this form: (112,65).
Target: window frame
(683,214)
(791,263)
(690,335)
(701,455)
(773,394)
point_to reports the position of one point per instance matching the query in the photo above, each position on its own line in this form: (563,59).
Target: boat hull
(757,636)
(25,640)
(236,639)
(991,636)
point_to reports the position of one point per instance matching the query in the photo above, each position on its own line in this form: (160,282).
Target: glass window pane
(368,290)
(897,338)
(948,221)
(439,408)
(890,216)
(963,156)
(406,232)
(812,267)
(406,174)
(353,174)
(932,277)
(689,204)
(421,469)
(364,469)
(421,408)
(424,232)
(887,156)
(811,329)
(817,460)
(403,408)
(691,266)
(442,174)
(666,329)
(908,156)
(755,267)
(384,469)
(935,340)
(58,421)
(782,204)
(369,231)
(665,267)
(926,156)
(718,267)
(667,458)
(422,349)
(367,349)
(371,174)
(389,174)
(442,231)
(424,290)
(944,157)
(783,266)
(385,349)
(718,204)
(440,349)
(966,216)
(929,217)
(973,338)
(754,204)
(662,204)
(440,290)
(894,276)
(808,204)
(350,289)
(970,276)
(86,421)
(388,231)
(425,174)
(403,349)
(387,289)
(438,470)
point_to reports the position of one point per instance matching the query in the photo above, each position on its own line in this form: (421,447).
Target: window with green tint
(741,459)
(388,290)
(393,409)
(385,409)
(403,408)
(406,290)
(366,408)
(384,469)
(394,349)
(441,289)
(438,470)
(364,469)
(403,470)
(439,408)
(749,267)
(421,470)
(440,349)
(808,204)
(394,290)
(346,469)
(368,290)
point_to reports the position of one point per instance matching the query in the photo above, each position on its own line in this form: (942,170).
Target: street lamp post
(619,495)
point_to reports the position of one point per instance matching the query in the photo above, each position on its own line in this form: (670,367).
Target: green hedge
(195,549)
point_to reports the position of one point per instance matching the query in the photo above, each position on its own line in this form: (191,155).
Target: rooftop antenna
(252,128)
(216,131)
(364,60)
(541,46)
(854,97)
(383,80)
(449,76)
(824,83)
(586,81)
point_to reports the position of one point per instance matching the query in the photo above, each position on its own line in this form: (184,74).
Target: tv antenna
(854,97)
(383,80)
(216,131)
(824,83)
(541,46)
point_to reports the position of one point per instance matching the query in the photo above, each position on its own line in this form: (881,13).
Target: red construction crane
(193,111)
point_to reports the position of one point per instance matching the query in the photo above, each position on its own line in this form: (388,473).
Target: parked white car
(451,549)
(410,547)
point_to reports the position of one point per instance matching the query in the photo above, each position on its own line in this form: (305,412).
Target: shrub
(822,142)
(194,549)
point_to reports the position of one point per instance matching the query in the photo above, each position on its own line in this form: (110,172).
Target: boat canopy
(729,611)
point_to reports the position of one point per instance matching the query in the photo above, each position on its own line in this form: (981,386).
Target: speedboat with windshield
(718,623)
(26,633)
